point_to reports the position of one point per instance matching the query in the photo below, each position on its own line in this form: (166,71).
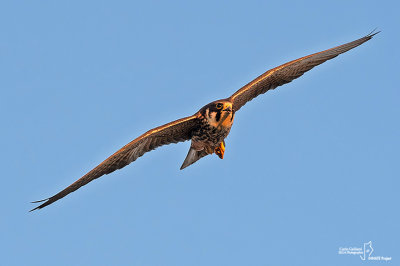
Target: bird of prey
(207,128)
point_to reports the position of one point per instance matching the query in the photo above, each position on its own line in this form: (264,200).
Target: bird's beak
(228,109)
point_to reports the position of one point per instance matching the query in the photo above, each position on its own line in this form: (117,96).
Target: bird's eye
(219,105)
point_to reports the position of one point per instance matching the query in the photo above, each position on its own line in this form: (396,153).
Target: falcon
(207,128)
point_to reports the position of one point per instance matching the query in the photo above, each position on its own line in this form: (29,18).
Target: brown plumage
(287,72)
(177,131)
(208,127)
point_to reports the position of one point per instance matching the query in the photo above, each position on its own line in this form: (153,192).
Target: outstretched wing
(177,131)
(287,72)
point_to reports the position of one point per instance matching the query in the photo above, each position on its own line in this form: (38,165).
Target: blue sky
(309,168)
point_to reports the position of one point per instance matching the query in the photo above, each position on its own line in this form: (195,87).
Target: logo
(365,252)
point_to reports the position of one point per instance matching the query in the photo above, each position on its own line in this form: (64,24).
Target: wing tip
(37,201)
(373,33)
(41,205)
(34,209)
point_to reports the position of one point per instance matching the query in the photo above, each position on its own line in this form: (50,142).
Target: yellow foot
(220,150)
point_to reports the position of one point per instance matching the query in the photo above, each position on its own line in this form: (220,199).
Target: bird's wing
(177,131)
(287,72)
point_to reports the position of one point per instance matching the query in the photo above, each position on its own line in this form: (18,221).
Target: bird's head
(219,113)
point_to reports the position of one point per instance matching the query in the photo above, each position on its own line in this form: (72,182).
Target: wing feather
(177,131)
(287,72)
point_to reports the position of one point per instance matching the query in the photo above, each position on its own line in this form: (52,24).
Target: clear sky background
(309,167)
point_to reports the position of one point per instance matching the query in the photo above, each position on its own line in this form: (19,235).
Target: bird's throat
(219,120)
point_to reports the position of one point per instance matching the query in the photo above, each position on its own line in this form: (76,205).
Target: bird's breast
(210,133)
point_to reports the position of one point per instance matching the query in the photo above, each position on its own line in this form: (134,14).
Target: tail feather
(192,157)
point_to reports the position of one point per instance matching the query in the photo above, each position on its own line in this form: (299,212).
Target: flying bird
(207,128)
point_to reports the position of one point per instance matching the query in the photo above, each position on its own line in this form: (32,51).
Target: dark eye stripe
(209,113)
(218,116)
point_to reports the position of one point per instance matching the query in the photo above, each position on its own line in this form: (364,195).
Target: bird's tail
(192,157)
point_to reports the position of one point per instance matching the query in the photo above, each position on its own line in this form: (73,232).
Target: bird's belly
(210,137)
